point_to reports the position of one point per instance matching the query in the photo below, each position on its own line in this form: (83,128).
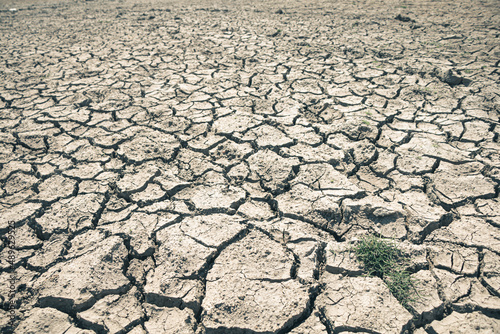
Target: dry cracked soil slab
(210,167)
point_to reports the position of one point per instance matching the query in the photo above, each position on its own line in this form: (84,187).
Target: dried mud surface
(206,166)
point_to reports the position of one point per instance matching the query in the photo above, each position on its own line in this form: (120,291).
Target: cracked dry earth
(207,167)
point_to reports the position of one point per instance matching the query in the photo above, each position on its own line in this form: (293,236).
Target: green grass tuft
(383,259)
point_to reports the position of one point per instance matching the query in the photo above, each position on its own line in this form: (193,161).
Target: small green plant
(365,122)
(381,258)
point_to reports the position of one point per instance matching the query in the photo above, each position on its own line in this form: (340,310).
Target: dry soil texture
(207,166)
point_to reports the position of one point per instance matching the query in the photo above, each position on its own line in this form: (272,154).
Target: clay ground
(208,166)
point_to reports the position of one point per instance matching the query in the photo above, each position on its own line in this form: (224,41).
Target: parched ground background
(207,166)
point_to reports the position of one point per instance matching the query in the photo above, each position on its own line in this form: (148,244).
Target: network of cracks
(209,168)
